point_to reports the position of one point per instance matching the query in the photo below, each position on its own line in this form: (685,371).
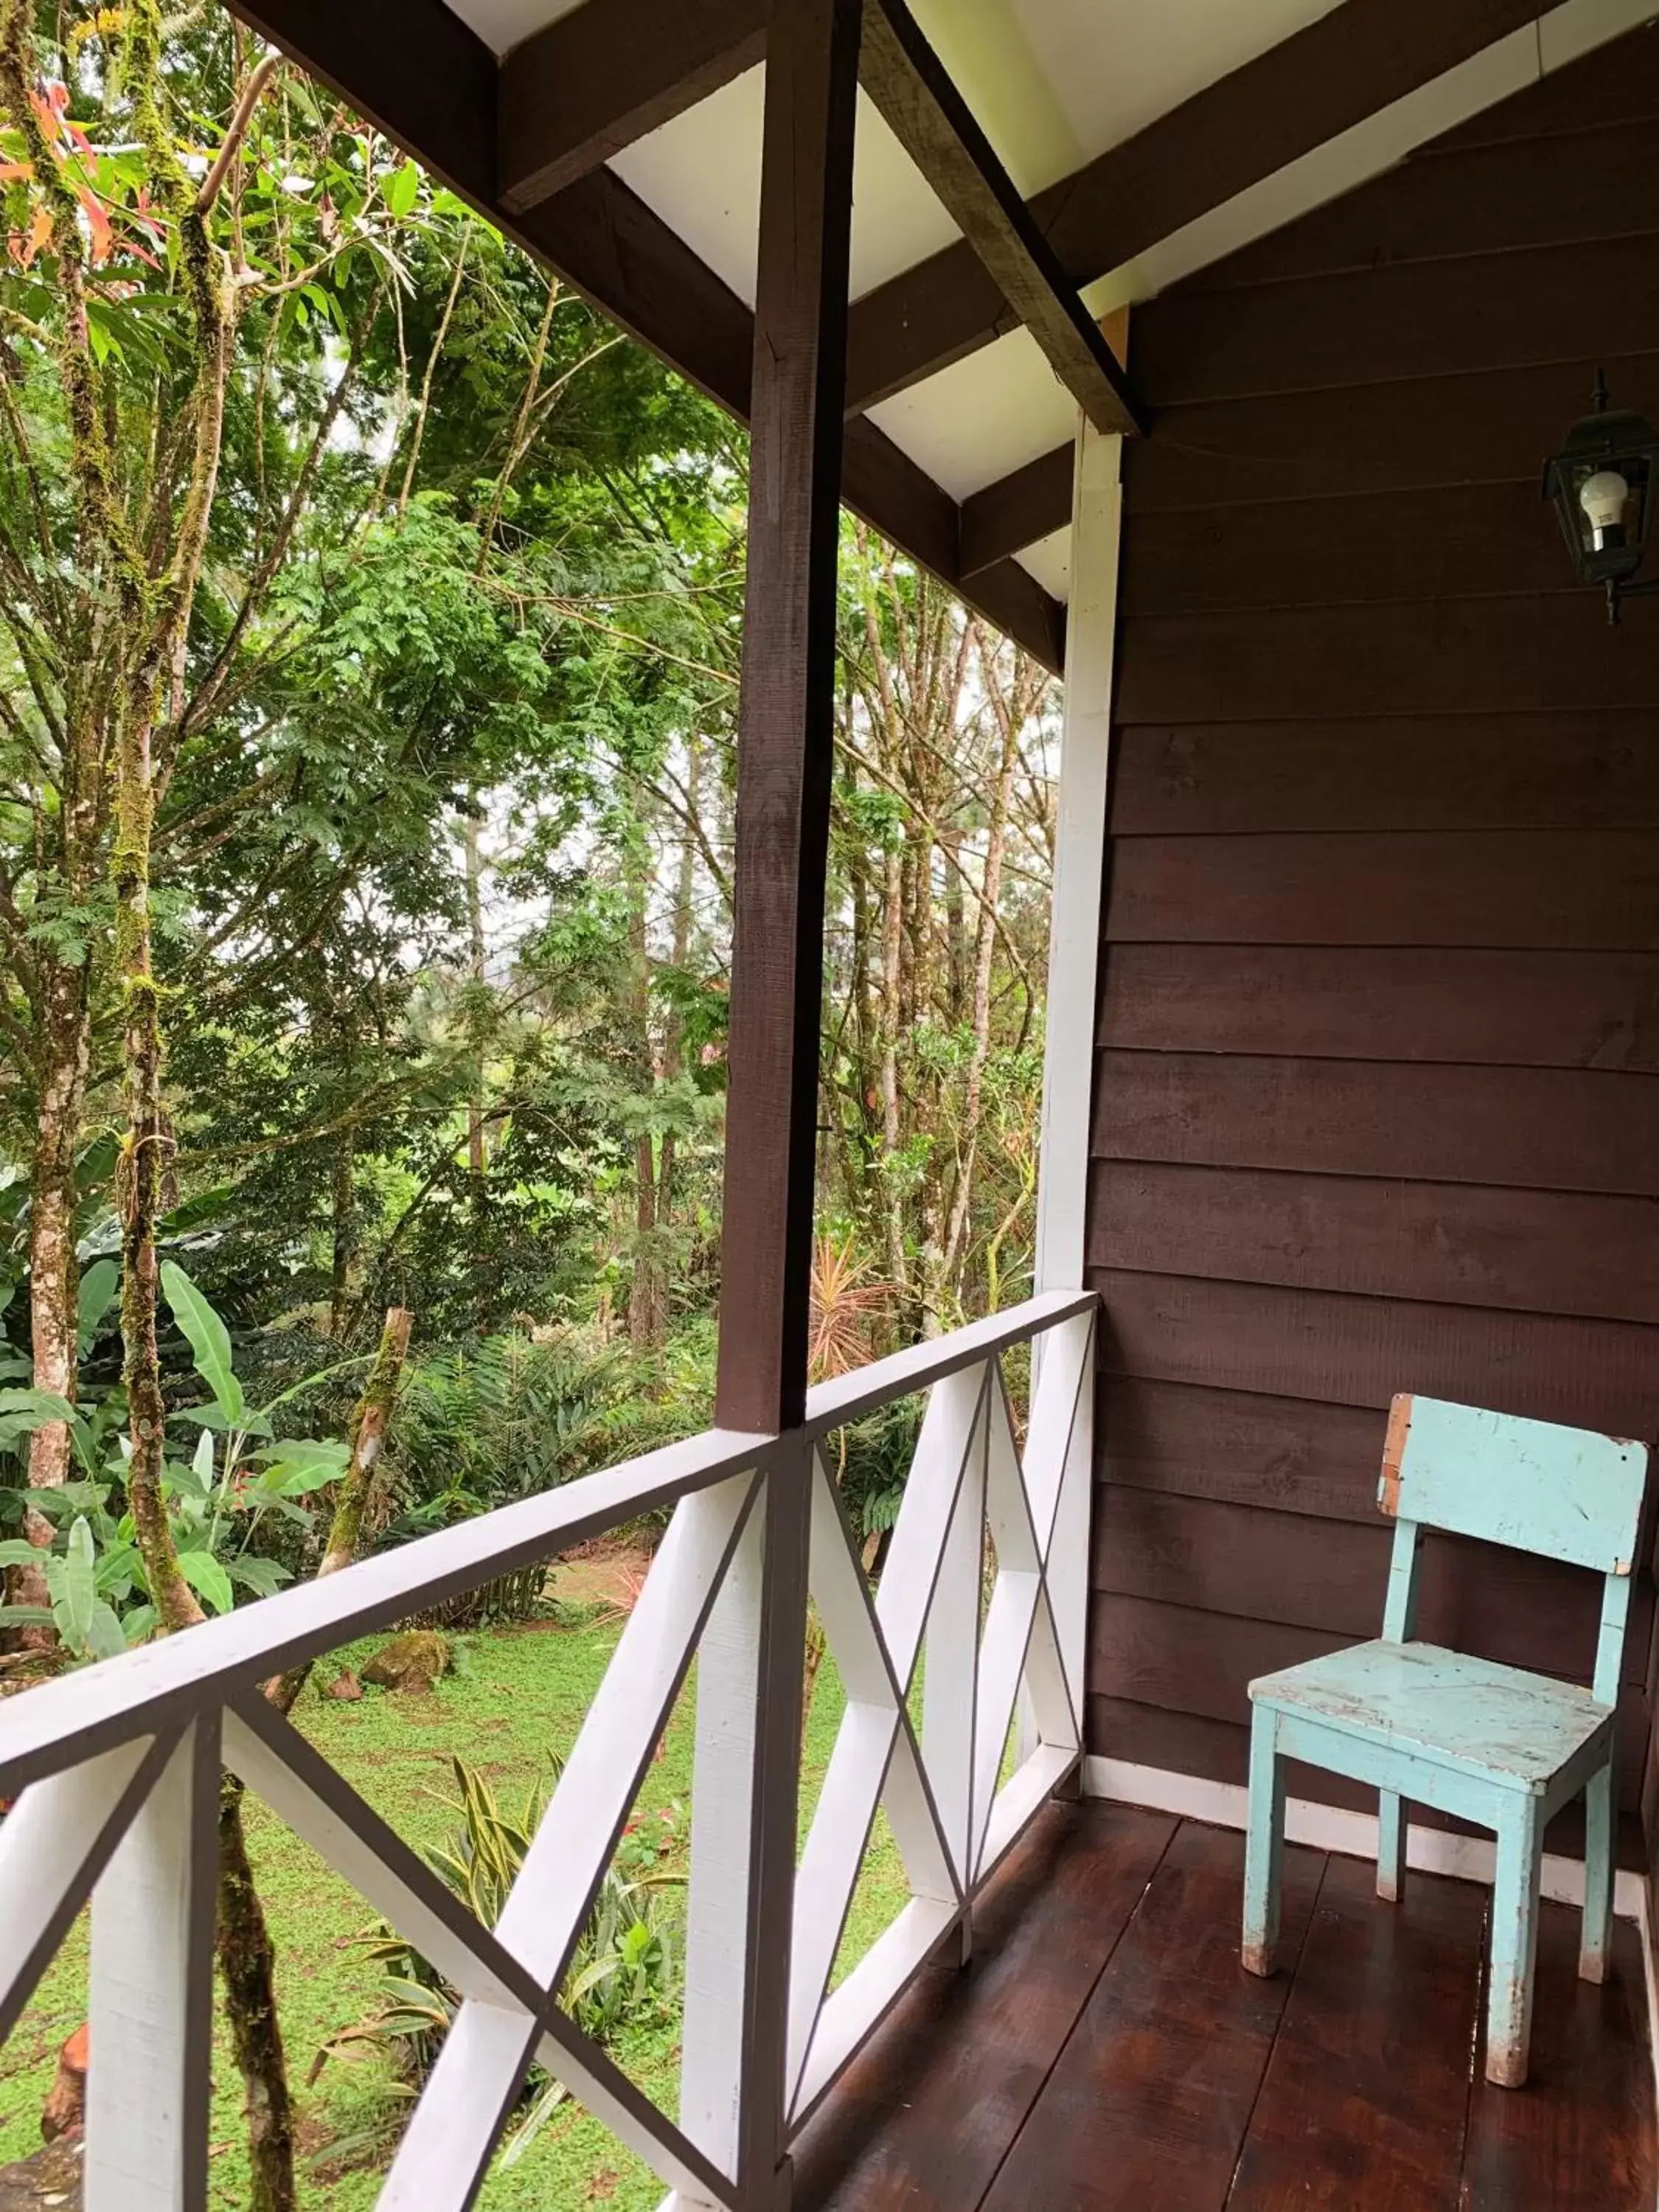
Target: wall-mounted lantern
(1602,483)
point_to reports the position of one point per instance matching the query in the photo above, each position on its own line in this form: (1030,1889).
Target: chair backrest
(1567,1494)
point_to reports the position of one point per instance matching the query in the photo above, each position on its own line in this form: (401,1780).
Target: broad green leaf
(403,189)
(138,1623)
(206,1206)
(180,1481)
(70,1497)
(202,1459)
(18,1552)
(274,1501)
(106,1639)
(209,1338)
(23,1410)
(297,1468)
(262,1576)
(97,1164)
(76,1592)
(208,1579)
(27,1616)
(99,1285)
(116,1564)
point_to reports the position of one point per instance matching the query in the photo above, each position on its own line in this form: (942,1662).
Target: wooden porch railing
(119,1766)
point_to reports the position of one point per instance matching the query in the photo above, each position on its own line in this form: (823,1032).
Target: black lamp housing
(1602,484)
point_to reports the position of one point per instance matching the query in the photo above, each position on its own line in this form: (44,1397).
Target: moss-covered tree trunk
(60,1100)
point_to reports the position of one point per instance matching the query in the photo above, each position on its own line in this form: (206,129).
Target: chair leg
(1390,1845)
(1514,1944)
(1598,1876)
(1264,1844)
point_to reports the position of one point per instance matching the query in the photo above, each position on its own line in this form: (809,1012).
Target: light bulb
(1602,499)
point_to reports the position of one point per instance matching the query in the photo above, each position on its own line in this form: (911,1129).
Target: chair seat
(1518,1729)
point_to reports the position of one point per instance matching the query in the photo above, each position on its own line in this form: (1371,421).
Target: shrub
(625,1972)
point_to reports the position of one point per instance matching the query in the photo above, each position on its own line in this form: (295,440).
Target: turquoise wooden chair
(1490,1744)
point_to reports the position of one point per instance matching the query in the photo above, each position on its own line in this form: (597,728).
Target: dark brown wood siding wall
(1377,1091)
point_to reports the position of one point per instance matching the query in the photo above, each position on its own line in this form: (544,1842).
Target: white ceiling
(1053,82)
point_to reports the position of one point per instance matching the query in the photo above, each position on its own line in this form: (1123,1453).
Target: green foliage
(226,1494)
(625,1973)
(76,1579)
(874,1455)
(504,1419)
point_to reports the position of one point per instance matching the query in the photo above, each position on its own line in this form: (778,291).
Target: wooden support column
(746,1778)
(785,717)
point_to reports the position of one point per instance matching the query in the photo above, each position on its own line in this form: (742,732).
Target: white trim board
(1331,1828)
(1068,1043)
(1651,1984)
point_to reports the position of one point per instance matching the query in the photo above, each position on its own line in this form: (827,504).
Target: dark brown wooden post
(785,719)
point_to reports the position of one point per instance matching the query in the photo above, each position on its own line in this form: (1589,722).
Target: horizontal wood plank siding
(1559,889)
(1449,1006)
(1458,772)
(1556,1129)
(1446,317)
(1461,1244)
(1419,431)
(1377,1088)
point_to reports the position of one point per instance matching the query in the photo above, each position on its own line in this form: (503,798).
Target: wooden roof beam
(580,90)
(936,127)
(1030,503)
(1336,72)
(417,72)
(1018,510)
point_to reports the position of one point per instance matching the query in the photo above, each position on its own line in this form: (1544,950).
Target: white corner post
(1068,1050)
(734,2095)
(1068,1045)
(151,1993)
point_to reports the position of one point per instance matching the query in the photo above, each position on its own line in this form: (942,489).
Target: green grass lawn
(519,1701)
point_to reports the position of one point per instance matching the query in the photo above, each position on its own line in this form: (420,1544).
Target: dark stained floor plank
(1146,2108)
(1580,2136)
(925,2115)
(1366,2097)
(1105,2053)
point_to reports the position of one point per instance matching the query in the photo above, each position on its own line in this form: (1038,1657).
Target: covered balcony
(1214,352)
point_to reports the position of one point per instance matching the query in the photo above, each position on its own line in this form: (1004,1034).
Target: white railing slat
(846,1610)
(54,1844)
(869,1994)
(60,1723)
(151,1993)
(914,1555)
(951,1667)
(1064,1453)
(465,2104)
(903,1374)
(289,1775)
(830,1865)
(545,1916)
(120,1764)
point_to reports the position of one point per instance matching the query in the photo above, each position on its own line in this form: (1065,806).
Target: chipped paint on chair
(1492,1744)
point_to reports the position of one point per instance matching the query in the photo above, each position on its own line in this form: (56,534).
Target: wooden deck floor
(1105,2050)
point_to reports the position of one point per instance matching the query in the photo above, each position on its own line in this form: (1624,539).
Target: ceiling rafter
(1336,72)
(934,124)
(414,70)
(578,91)
(1028,504)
